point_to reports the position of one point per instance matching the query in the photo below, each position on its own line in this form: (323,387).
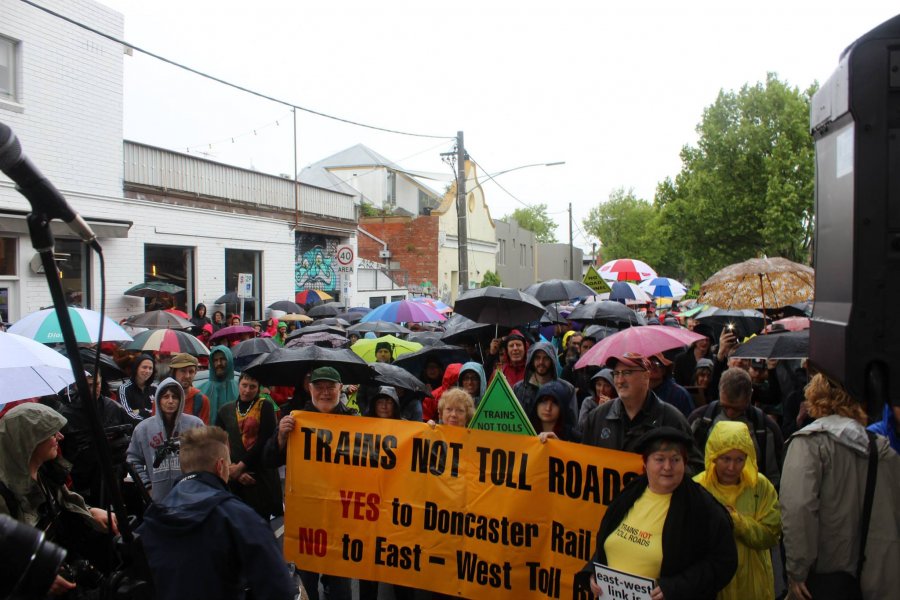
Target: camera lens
(28,562)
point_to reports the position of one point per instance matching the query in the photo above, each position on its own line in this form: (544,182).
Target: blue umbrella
(623,291)
(664,287)
(404,311)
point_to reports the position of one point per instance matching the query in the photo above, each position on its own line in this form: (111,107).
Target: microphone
(38,190)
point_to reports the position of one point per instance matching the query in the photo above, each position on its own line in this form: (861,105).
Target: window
(7,68)
(74,271)
(397,298)
(501,253)
(244,261)
(376,301)
(523,256)
(171,264)
(8,256)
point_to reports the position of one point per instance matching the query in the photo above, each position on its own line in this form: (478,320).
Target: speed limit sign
(344,255)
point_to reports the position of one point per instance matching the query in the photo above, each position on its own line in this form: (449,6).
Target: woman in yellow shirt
(666,527)
(733,478)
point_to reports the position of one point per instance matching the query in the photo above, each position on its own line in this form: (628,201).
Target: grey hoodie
(150,434)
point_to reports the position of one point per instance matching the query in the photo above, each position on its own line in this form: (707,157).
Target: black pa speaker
(855,120)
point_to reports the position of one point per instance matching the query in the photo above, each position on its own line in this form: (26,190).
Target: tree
(746,188)
(625,226)
(535,219)
(490,278)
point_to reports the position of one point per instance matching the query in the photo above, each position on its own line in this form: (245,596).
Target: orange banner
(465,512)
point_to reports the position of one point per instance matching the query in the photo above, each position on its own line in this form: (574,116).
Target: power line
(489,176)
(227,83)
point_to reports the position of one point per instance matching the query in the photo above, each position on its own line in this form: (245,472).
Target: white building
(157,214)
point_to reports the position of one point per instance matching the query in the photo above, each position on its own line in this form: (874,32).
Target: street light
(498,173)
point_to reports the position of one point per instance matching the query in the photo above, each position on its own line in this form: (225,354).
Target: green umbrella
(151,289)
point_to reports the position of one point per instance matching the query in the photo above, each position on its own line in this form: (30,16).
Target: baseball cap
(629,359)
(182,360)
(325,374)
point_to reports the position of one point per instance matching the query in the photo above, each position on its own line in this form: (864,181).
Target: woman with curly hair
(822,489)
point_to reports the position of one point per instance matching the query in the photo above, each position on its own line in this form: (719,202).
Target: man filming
(202,541)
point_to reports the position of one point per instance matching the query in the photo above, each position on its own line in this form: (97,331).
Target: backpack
(703,425)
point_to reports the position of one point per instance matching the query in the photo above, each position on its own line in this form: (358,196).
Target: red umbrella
(231,333)
(311,296)
(646,340)
(180,313)
(626,269)
(167,340)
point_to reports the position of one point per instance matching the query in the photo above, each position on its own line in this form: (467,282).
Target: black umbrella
(159,319)
(285,366)
(377,327)
(109,369)
(152,289)
(558,290)
(247,351)
(553,316)
(745,321)
(349,316)
(320,338)
(329,309)
(414,362)
(426,338)
(317,328)
(459,328)
(498,306)
(605,311)
(398,377)
(333,321)
(789,344)
(598,332)
(292,308)
(232,298)
(800,309)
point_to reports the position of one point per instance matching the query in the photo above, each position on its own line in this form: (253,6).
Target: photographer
(153,450)
(32,488)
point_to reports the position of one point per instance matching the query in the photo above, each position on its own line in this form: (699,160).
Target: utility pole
(462,233)
(571,247)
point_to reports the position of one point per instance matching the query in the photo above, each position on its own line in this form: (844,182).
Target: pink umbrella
(626,269)
(231,333)
(790,324)
(646,340)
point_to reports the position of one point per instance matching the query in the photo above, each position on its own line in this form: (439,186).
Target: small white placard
(622,586)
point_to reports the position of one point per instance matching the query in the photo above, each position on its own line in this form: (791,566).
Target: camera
(28,561)
(171,446)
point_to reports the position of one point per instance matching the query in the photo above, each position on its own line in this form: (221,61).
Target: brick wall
(412,242)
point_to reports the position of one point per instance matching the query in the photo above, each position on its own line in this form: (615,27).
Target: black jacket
(202,541)
(699,552)
(273,456)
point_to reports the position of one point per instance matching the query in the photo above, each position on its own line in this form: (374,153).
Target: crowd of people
(754,484)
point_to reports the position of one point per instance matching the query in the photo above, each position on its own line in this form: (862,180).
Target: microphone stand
(42,241)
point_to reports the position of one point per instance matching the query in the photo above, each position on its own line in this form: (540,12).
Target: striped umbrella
(626,269)
(168,340)
(629,293)
(404,311)
(43,326)
(664,287)
(311,297)
(438,305)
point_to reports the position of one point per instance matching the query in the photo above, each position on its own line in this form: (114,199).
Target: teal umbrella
(43,326)
(152,289)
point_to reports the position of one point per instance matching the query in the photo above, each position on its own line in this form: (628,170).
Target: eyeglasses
(626,372)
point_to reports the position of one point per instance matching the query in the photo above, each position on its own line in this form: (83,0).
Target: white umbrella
(42,326)
(29,369)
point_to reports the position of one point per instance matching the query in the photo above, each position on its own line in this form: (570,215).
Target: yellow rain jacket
(753,505)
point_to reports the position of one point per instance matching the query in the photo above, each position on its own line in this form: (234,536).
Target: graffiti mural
(314,262)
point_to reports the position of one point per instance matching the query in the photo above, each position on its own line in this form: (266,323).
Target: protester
(220,387)
(684,540)
(32,483)
(822,493)
(620,423)
(664,386)
(552,416)
(430,409)
(471,379)
(432,374)
(700,383)
(250,423)
(234,320)
(508,356)
(201,541)
(604,391)
(889,425)
(732,477)
(455,408)
(384,352)
(325,397)
(183,368)
(199,319)
(280,338)
(153,450)
(686,362)
(541,367)
(218,321)
(137,392)
(735,389)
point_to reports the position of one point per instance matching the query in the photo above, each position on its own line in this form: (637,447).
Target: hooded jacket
(566,429)
(149,435)
(479,370)
(138,402)
(756,516)
(430,405)
(887,427)
(202,541)
(385,391)
(21,430)
(526,390)
(822,488)
(220,391)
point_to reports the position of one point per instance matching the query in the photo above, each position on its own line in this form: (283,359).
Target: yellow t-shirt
(636,545)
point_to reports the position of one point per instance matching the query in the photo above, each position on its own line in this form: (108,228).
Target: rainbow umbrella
(404,311)
(311,297)
(168,340)
(438,305)
(43,326)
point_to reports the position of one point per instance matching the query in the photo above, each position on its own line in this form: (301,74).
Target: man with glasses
(619,423)
(735,391)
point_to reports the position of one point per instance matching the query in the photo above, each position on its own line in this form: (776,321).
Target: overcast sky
(614,89)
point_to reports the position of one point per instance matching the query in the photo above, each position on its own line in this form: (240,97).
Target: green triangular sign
(500,410)
(593,280)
